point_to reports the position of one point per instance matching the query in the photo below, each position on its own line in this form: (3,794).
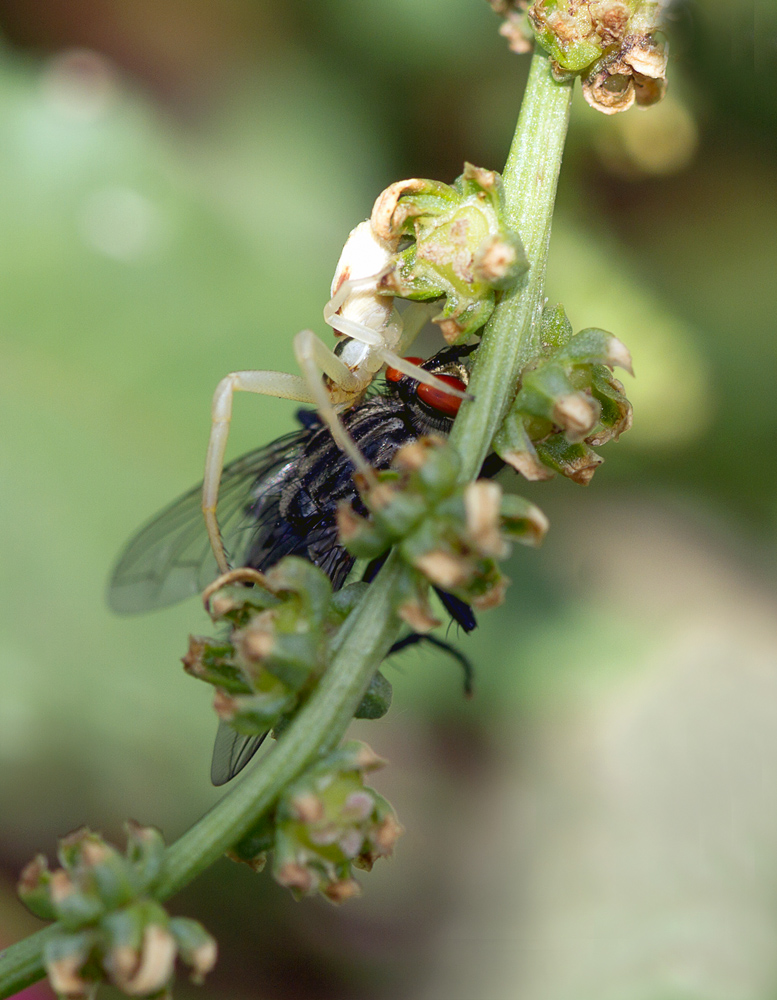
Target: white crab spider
(375,336)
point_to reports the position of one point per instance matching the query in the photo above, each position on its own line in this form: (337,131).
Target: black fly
(282,500)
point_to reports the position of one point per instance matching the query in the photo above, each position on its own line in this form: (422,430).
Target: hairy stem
(511,337)
(509,342)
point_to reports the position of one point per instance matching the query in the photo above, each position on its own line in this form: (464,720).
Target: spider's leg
(265,383)
(420,374)
(358,311)
(314,359)
(355,286)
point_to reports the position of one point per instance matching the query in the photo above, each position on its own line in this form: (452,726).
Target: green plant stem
(318,727)
(511,337)
(509,342)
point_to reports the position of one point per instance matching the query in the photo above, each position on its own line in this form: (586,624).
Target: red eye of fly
(439,399)
(394,374)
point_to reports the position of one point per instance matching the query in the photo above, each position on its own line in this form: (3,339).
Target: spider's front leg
(316,359)
(266,384)
(357,311)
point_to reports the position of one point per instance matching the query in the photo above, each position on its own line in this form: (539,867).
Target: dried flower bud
(444,569)
(152,968)
(195,946)
(637,72)
(307,808)
(576,414)
(296,877)
(482,506)
(34,888)
(417,613)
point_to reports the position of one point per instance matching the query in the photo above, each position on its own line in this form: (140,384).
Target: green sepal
(349,756)
(293,658)
(555,329)
(255,714)
(112,880)
(521,520)
(576,461)
(514,445)
(70,847)
(485,579)
(253,847)
(589,346)
(74,950)
(377,699)
(146,854)
(369,543)
(345,600)
(437,476)
(431,535)
(541,389)
(215,664)
(399,516)
(469,317)
(194,945)
(236,604)
(299,578)
(34,888)
(80,907)
(124,929)
(615,417)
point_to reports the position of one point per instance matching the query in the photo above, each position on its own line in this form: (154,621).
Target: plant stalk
(510,341)
(511,336)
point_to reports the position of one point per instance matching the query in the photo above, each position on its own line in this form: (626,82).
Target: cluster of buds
(446,534)
(281,626)
(326,824)
(110,928)
(569,402)
(614,45)
(516,27)
(461,249)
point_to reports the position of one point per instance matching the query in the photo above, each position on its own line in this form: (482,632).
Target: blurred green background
(176,183)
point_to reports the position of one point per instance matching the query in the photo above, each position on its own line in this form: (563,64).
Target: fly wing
(170,558)
(231,753)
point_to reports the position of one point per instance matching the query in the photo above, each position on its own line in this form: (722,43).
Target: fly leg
(418,637)
(265,383)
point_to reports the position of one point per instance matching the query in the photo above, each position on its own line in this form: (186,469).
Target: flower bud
(461,251)
(195,946)
(577,462)
(377,699)
(109,926)
(34,888)
(328,821)
(64,956)
(568,401)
